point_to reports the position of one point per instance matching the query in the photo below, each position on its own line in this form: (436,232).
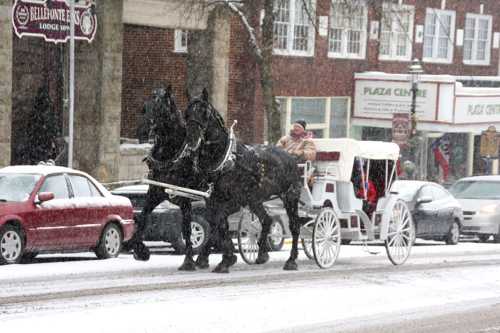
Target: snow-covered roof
(45,170)
(38,169)
(350,148)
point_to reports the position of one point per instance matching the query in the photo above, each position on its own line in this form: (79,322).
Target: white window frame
(325,126)
(435,37)
(179,47)
(289,51)
(344,54)
(395,19)
(474,60)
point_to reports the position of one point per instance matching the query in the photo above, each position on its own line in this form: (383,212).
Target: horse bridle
(202,127)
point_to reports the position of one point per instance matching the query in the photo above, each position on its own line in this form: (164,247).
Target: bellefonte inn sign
(38,19)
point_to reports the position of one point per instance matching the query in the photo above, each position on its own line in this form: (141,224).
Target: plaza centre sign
(381,99)
(475,109)
(37,19)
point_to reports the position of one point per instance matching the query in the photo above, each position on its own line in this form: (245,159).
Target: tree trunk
(199,58)
(266,75)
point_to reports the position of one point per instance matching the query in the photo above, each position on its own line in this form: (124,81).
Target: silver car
(480,200)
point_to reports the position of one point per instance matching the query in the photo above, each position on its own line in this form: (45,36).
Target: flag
(441,149)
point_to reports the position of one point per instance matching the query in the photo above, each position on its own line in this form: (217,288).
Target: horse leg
(202,260)
(226,243)
(259,210)
(291,203)
(154,197)
(188,264)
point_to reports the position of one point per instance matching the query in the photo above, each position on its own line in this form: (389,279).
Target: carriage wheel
(249,229)
(400,233)
(326,238)
(307,241)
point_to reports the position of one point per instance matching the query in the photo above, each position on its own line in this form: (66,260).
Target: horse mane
(213,110)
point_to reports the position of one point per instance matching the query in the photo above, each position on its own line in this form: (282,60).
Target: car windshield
(476,190)
(17,187)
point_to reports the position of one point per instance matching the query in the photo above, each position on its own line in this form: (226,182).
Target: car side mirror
(44,196)
(424,199)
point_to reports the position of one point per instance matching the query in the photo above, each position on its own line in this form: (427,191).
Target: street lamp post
(71,81)
(414,159)
(415,70)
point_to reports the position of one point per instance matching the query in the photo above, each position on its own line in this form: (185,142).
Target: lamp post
(413,163)
(415,70)
(71,81)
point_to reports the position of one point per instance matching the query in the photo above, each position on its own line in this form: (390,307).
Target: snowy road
(129,296)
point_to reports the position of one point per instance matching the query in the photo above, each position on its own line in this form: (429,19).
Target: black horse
(242,175)
(168,132)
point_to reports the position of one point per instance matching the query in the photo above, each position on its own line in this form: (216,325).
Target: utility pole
(71,80)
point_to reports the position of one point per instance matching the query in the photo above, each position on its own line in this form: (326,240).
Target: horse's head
(198,116)
(162,114)
(204,127)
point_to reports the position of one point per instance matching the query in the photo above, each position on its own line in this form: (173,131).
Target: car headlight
(489,209)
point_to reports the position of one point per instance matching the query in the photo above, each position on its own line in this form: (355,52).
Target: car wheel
(345,241)
(453,234)
(276,237)
(11,245)
(496,238)
(110,243)
(200,231)
(483,238)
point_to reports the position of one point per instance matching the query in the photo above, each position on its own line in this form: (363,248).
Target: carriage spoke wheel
(307,239)
(400,233)
(249,229)
(326,238)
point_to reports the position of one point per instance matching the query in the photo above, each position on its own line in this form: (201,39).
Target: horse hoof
(141,252)
(290,265)
(262,258)
(221,268)
(232,260)
(202,262)
(187,265)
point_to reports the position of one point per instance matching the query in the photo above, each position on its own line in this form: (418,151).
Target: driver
(299,142)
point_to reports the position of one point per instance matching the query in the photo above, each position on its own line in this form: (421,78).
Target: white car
(480,200)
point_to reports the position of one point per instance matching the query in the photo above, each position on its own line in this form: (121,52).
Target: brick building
(317,69)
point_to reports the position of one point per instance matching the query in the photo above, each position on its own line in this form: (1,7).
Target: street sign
(37,19)
(489,143)
(400,128)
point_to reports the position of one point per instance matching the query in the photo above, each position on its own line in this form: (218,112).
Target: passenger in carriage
(299,142)
(370,204)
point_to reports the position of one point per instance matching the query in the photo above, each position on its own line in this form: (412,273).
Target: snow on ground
(294,305)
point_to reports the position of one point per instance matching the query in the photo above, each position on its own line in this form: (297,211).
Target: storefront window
(447,157)
(326,117)
(338,117)
(376,134)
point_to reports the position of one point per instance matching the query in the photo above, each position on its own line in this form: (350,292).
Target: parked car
(57,209)
(165,222)
(437,215)
(480,200)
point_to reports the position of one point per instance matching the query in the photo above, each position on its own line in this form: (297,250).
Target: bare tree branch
(250,30)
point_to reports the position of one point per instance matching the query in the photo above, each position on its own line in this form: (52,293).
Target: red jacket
(371,195)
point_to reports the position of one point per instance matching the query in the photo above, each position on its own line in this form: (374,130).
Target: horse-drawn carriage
(195,156)
(334,199)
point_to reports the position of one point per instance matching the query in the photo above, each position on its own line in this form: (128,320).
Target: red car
(56,209)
